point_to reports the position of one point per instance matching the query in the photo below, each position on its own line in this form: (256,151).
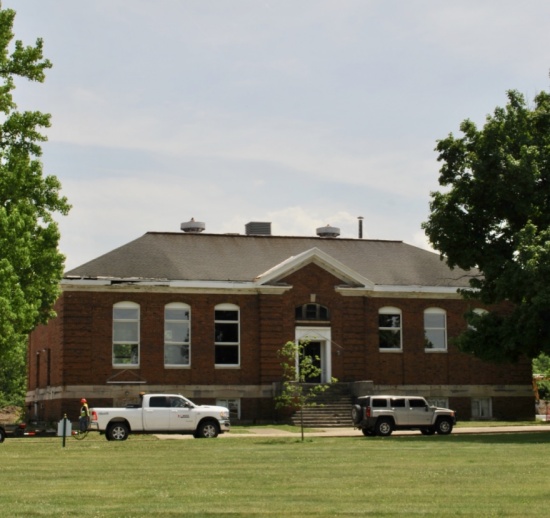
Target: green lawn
(461,475)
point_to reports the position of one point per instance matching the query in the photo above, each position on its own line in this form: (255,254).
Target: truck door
(157,415)
(182,416)
(419,412)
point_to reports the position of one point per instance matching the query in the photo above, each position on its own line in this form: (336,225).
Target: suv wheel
(383,427)
(444,426)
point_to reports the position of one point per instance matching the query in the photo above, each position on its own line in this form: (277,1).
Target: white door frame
(322,335)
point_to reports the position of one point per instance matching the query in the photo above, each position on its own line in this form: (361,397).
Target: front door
(318,340)
(157,415)
(313,350)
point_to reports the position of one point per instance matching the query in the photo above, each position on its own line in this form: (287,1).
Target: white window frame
(232,404)
(126,305)
(168,339)
(443,313)
(481,406)
(228,307)
(324,336)
(390,310)
(441,402)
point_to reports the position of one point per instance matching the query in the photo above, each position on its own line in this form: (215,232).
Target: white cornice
(247,288)
(126,285)
(321,259)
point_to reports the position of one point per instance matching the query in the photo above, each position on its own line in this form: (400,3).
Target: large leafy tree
(493,218)
(30,263)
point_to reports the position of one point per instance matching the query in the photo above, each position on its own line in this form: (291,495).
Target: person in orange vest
(84,418)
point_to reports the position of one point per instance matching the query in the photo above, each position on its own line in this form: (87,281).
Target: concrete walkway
(351,432)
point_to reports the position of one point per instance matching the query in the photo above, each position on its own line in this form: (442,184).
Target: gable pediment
(318,257)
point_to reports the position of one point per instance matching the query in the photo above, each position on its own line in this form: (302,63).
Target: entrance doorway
(313,350)
(318,347)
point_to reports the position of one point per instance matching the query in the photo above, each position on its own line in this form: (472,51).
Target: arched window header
(312,312)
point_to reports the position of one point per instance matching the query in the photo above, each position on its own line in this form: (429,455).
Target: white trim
(320,258)
(322,335)
(395,291)
(443,313)
(247,288)
(224,306)
(391,310)
(126,304)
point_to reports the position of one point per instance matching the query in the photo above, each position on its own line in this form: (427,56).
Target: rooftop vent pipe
(328,231)
(193,226)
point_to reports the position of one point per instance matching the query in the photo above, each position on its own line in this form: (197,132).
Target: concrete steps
(332,410)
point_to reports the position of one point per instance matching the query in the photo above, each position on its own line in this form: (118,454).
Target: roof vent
(258,228)
(193,226)
(328,231)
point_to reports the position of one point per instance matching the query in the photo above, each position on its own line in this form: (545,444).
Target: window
(126,334)
(417,403)
(398,402)
(438,402)
(177,319)
(482,408)
(435,329)
(389,329)
(226,335)
(312,312)
(158,402)
(234,406)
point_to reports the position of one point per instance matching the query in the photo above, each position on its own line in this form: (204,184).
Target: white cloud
(301,113)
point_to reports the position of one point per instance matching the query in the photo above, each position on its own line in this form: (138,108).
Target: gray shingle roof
(242,258)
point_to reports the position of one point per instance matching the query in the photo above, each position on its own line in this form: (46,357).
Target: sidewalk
(351,432)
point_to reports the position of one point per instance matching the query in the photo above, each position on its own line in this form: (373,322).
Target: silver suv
(381,415)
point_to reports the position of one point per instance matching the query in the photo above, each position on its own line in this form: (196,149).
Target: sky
(302,113)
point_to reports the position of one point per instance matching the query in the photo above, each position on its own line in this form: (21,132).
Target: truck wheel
(207,430)
(383,427)
(117,432)
(2,435)
(444,426)
(356,412)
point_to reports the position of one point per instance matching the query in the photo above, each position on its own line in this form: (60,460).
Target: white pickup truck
(161,413)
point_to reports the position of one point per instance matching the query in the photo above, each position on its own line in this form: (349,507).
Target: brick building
(204,315)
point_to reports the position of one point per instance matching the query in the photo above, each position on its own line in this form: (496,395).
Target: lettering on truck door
(157,415)
(181,414)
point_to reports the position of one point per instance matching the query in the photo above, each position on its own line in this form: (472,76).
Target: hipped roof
(251,258)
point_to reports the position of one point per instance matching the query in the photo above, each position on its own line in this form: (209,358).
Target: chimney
(360,218)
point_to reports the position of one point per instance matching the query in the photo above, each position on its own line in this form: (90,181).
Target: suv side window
(379,403)
(398,402)
(417,403)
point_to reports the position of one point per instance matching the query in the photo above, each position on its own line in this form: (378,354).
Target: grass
(460,475)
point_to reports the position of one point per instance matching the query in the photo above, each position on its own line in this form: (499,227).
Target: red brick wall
(84,328)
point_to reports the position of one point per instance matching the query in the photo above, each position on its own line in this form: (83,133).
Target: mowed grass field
(458,475)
